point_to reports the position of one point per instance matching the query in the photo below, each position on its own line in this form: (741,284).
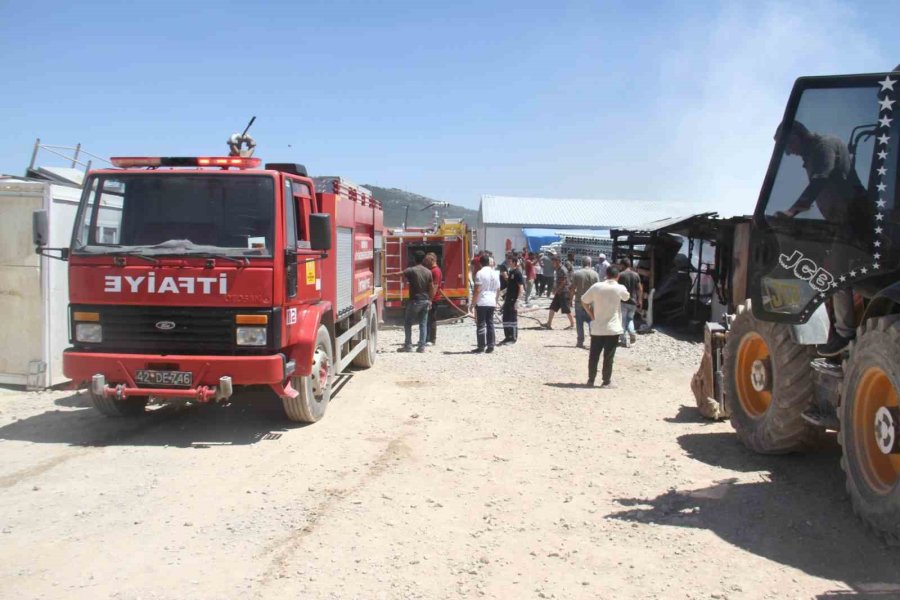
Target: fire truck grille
(173,330)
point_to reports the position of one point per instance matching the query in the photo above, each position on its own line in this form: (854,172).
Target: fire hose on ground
(463,314)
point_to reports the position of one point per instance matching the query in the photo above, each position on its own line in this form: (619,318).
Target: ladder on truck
(393,267)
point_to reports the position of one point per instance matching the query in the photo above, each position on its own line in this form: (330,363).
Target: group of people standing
(424,279)
(489,283)
(607,304)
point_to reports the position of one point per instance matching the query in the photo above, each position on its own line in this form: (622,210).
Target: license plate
(174,378)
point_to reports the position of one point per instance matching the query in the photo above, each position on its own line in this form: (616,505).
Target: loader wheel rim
(872,416)
(752,373)
(885,430)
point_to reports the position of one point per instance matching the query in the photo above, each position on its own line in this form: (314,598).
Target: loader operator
(834,188)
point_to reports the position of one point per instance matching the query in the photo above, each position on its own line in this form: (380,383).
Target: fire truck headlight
(89,332)
(251,336)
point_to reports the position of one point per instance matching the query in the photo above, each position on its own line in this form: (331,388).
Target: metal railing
(77,151)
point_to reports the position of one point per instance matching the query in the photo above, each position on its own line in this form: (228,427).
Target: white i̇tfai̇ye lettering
(113,284)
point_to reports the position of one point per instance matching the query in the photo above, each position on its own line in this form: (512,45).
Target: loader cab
(827,213)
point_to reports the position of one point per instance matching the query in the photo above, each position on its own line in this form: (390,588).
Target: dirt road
(444,475)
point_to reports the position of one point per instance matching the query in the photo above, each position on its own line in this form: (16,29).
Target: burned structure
(688,266)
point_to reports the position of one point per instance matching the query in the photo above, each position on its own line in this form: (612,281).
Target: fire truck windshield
(157,214)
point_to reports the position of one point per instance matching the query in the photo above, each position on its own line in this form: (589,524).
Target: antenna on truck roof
(237,141)
(437,205)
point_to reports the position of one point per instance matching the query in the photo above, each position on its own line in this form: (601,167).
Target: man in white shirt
(602,303)
(487,285)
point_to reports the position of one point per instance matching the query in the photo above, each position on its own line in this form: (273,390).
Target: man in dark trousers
(484,303)
(602,302)
(430,262)
(421,291)
(514,286)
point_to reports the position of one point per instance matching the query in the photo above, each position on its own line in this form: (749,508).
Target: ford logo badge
(165,325)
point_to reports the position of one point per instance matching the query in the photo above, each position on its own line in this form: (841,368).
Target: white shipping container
(34,290)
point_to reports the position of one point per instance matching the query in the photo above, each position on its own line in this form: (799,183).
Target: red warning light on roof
(125,162)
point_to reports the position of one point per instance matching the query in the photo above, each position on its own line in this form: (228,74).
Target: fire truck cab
(190,277)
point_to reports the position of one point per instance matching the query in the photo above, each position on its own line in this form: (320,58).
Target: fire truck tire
(869,430)
(314,389)
(768,385)
(110,407)
(366,358)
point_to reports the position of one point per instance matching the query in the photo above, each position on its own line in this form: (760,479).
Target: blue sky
(643,100)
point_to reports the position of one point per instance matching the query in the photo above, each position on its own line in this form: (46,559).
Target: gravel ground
(441,475)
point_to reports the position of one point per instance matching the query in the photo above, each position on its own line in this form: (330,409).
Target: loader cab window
(826,154)
(820,226)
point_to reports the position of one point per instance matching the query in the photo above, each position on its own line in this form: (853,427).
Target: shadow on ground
(571,346)
(683,334)
(569,385)
(797,514)
(690,414)
(253,416)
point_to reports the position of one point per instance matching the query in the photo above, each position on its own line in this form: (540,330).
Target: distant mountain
(396,200)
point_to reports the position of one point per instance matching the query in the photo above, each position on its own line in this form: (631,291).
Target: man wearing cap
(602,265)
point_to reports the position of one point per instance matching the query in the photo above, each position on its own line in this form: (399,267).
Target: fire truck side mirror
(320,231)
(40,230)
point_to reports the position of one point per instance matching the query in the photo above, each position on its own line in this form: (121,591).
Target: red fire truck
(189,277)
(451,241)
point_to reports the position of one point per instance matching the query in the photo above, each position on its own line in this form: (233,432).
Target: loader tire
(110,407)
(869,432)
(314,390)
(768,385)
(366,358)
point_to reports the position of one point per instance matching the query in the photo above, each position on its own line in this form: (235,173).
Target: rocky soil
(436,475)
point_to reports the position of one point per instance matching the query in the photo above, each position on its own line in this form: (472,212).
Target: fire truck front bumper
(198,378)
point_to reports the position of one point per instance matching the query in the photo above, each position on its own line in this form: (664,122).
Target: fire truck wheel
(366,358)
(870,434)
(130,407)
(314,389)
(768,385)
